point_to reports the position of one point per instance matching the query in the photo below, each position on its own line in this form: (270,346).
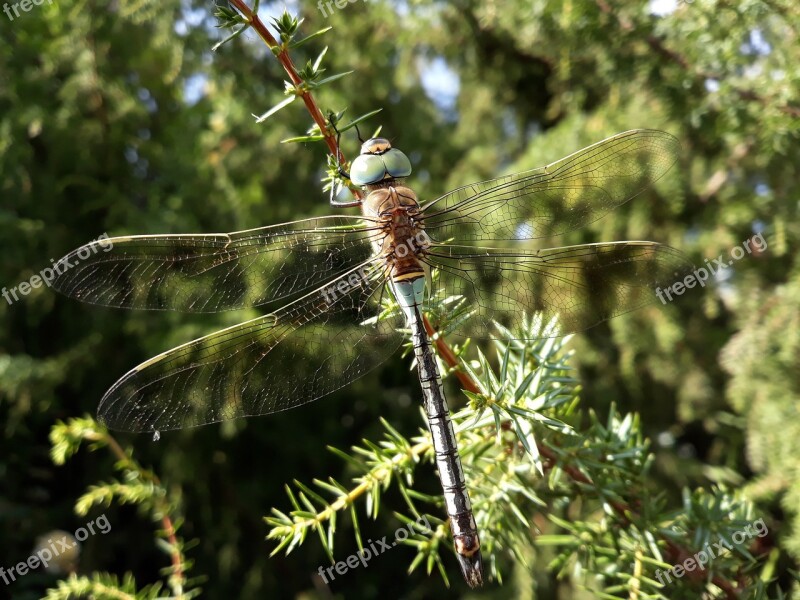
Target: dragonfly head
(376,146)
(377,162)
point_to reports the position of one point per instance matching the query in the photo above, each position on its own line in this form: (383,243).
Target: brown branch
(282,54)
(116,449)
(166,521)
(175,554)
(450,358)
(675,553)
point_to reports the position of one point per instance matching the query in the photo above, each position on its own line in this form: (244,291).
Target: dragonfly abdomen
(448,462)
(456,498)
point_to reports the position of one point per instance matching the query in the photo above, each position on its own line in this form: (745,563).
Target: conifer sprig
(136,485)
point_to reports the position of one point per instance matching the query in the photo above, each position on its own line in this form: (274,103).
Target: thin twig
(282,54)
(379,476)
(450,358)
(166,521)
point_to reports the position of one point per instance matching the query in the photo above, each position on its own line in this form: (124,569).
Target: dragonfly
(321,282)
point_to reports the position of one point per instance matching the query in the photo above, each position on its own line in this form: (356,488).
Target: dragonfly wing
(301,352)
(581,285)
(218,271)
(552,200)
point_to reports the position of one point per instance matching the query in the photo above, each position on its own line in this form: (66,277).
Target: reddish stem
(300,88)
(166,520)
(449,357)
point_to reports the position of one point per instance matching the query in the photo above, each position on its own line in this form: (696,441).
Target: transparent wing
(299,353)
(218,271)
(581,285)
(563,196)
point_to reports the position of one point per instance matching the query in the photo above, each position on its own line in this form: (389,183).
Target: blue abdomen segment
(410,294)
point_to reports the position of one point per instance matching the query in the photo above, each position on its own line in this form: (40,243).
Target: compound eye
(397,163)
(367,169)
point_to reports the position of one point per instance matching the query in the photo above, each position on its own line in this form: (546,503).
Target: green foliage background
(99,133)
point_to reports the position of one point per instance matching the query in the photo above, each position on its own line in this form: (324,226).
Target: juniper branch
(142,486)
(281,52)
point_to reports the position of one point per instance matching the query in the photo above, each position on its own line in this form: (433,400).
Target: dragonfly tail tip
(472,569)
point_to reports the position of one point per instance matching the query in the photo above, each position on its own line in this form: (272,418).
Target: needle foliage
(552,484)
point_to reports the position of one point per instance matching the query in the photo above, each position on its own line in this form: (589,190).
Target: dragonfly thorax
(385,200)
(404,240)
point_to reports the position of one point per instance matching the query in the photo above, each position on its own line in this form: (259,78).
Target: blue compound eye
(367,169)
(397,163)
